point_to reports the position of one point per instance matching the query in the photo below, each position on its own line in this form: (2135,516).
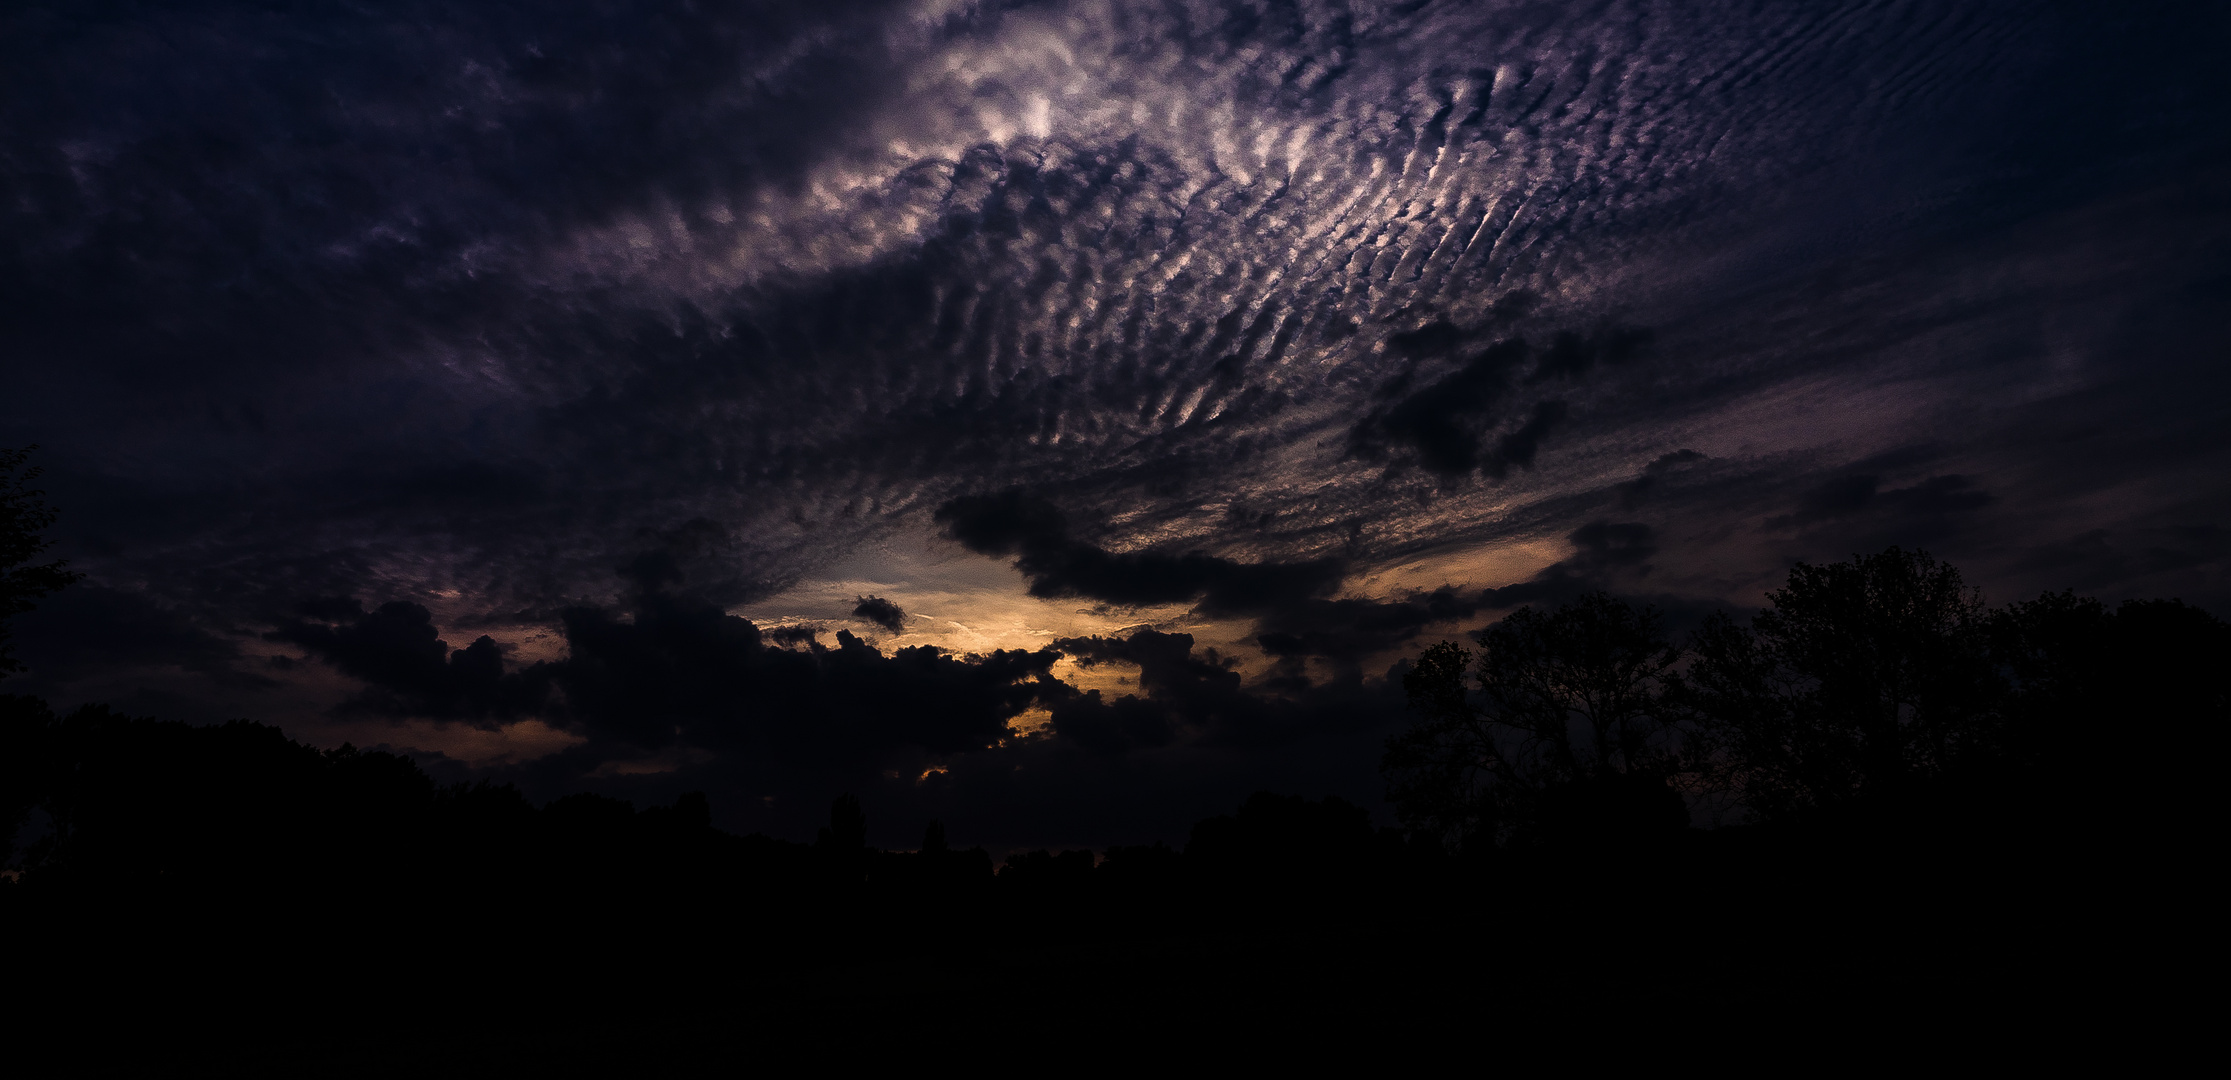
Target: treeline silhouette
(1877,695)
(128,810)
(1876,700)
(1877,780)
(1917,804)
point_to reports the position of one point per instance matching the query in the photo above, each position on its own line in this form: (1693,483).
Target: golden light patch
(958,601)
(1031,723)
(1487,566)
(967,603)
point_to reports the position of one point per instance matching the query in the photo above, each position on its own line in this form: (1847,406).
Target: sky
(1064,419)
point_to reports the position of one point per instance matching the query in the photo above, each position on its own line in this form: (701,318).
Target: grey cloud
(1447,424)
(1345,633)
(2102,559)
(1037,534)
(1181,691)
(1604,551)
(1633,492)
(408,671)
(686,676)
(1859,508)
(89,629)
(881,612)
(1517,448)
(676,674)
(1837,498)
(1199,696)
(791,635)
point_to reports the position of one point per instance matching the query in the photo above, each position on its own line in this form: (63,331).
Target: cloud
(881,612)
(1518,447)
(471,310)
(2172,559)
(688,675)
(88,629)
(1345,633)
(699,558)
(1604,551)
(680,675)
(800,272)
(408,671)
(1443,422)
(799,634)
(1858,509)
(1633,492)
(1447,424)
(1840,497)
(1037,534)
(1200,696)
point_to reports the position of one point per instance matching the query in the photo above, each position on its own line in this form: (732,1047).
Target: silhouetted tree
(2090,690)
(848,826)
(936,872)
(1863,679)
(2059,657)
(25,723)
(1559,735)
(1283,840)
(1040,871)
(24,517)
(1140,868)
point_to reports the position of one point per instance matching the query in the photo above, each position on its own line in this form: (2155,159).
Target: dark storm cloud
(1181,691)
(689,675)
(1860,508)
(407,669)
(1199,694)
(1344,633)
(1443,422)
(676,676)
(699,559)
(1840,497)
(790,635)
(1633,492)
(2100,558)
(1036,533)
(1518,447)
(1449,423)
(1605,553)
(87,629)
(674,672)
(881,612)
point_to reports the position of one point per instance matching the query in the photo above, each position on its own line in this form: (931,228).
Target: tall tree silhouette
(1862,681)
(1560,732)
(24,517)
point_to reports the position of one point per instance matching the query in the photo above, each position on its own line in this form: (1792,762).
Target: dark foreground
(1725,950)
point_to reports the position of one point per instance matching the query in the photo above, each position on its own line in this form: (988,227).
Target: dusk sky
(1061,419)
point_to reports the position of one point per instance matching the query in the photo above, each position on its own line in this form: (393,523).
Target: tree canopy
(24,519)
